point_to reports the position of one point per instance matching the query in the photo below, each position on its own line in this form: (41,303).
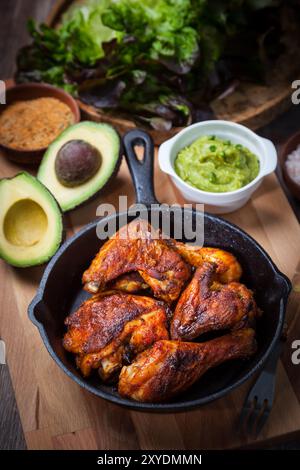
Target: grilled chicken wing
(228,268)
(207,305)
(112,326)
(136,247)
(170,367)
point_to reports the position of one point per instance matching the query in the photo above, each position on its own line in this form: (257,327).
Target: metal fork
(259,401)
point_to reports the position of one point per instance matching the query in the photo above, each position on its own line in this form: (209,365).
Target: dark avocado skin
(63,219)
(106,185)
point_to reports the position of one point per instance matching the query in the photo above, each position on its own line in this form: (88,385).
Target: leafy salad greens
(161,61)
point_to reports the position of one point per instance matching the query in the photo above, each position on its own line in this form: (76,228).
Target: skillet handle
(141,170)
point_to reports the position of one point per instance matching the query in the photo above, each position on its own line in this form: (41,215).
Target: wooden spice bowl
(291,145)
(31,91)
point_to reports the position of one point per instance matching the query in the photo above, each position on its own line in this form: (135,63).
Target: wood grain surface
(57,414)
(13,34)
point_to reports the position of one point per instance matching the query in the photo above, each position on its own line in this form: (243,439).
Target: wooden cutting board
(57,414)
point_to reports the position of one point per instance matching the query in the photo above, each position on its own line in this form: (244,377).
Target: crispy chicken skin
(110,327)
(207,305)
(129,282)
(228,268)
(136,248)
(170,367)
(133,339)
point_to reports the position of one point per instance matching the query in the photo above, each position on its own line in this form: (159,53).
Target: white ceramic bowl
(219,203)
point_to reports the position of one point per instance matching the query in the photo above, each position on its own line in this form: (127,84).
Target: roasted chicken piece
(130,282)
(138,247)
(207,305)
(170,367)
(112,327)
(227,266)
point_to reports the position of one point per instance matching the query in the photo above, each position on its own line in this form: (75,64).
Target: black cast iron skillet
(60,292)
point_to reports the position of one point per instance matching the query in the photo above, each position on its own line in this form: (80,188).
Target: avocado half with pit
(31,225)
(80,163)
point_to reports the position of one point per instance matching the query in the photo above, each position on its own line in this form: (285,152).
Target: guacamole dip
(216,165)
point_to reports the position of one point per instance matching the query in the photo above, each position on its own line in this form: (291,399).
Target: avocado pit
(25,223)
(72,180)
(76,163)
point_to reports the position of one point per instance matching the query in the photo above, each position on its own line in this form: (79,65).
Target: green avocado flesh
(215,165)
(99,136)
(31,227)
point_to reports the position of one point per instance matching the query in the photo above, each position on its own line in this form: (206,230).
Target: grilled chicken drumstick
(135,248)
(170,367)
(112,326)
(207,305)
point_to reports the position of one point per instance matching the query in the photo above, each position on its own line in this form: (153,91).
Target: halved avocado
(31,226)
(98,145)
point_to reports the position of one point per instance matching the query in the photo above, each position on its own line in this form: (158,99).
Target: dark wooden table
(13,35)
